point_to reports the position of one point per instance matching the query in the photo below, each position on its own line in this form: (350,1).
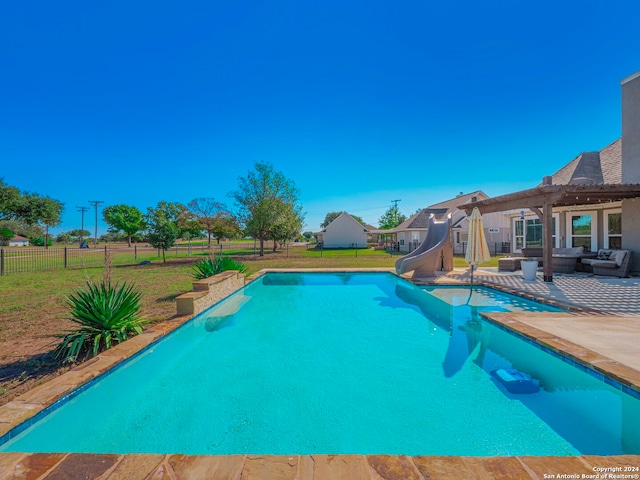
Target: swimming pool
(342,363)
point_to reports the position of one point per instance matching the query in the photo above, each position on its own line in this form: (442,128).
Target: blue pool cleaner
(515,381)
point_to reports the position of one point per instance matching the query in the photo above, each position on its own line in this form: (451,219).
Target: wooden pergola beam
(543,198)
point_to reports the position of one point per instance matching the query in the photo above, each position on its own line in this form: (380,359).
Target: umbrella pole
(472,274)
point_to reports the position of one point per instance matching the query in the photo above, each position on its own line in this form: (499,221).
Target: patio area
(577,291)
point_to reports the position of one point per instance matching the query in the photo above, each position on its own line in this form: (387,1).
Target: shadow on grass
(22,375)
(168,298)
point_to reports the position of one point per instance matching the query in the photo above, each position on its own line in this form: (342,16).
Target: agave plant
(106,314)
(214,265)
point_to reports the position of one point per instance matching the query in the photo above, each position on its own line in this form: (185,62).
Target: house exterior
(411,233)
(593,201)
(18,241)
(344,232)
(591,226)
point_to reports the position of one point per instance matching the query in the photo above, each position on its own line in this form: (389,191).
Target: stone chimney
(631,128)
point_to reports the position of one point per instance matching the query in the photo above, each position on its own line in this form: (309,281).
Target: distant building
(412,232)
(344,232)
(18,241)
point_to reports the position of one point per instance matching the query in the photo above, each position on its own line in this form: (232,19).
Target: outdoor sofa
(564,259)
(615,263)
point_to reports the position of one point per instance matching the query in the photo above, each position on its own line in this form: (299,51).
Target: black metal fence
(30,259)
(495,248)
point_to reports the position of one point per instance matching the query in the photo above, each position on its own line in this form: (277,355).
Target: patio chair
(619,267)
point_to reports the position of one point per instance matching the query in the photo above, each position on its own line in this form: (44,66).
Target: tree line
(267,202)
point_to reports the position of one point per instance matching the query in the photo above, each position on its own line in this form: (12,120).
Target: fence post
(1,261)
(105,254)
(135,253)
(65,257)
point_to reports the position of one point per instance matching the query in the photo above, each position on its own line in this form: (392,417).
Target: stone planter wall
(208,291)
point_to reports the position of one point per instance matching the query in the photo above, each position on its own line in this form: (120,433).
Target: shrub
(6,234)
(213,265)
(39,241)
(106,314)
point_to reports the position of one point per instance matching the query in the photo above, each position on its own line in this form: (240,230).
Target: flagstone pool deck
(602,332)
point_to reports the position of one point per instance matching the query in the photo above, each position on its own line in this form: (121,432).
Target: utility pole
(82,210)
(395,202)
(95,203)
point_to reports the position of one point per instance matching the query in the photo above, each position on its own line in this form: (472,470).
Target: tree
(45,211)
(124,218)
(29,208)
(263,197)
(391,218)
(188,223)
(19,227)
(63,238)
(6,234)
(216,219)
(287,226)
(162,226)
(77,233)
(10,201)
(331,216)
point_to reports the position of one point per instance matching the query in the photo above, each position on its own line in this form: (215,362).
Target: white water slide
(434,253)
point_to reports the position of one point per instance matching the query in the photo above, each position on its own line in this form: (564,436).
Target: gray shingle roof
(593,168)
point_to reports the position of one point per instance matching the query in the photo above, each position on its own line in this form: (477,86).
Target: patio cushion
(568,252)
(590,261)
(604,254)
(604,263)
(620,257)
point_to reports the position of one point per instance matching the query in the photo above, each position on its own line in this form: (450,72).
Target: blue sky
(358,102)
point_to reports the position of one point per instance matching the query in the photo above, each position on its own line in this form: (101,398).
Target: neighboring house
(411,233)
(344,232)
(18,241)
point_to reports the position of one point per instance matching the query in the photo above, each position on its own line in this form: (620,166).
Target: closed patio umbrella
(477,249)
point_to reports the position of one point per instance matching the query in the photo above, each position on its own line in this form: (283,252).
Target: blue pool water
(342,363)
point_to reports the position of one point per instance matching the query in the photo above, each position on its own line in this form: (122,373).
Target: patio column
(546,217)
(547,241)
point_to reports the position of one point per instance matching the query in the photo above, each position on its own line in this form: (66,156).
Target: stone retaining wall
(208,291)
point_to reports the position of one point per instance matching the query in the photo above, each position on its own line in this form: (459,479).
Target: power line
(95,203)
(395,202)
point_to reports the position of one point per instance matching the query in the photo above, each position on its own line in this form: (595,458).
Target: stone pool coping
(50,466)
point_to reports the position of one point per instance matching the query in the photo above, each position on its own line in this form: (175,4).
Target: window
(582,231)
(528,232)
(613,234)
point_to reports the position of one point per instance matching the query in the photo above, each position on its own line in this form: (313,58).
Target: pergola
(543,198)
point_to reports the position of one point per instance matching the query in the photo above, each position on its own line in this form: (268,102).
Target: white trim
(594,227)
(556,242)
(605,228)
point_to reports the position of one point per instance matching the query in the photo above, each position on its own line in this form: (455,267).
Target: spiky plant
(106,314)
(214,265)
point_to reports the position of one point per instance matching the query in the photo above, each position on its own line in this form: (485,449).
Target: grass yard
(33,307)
